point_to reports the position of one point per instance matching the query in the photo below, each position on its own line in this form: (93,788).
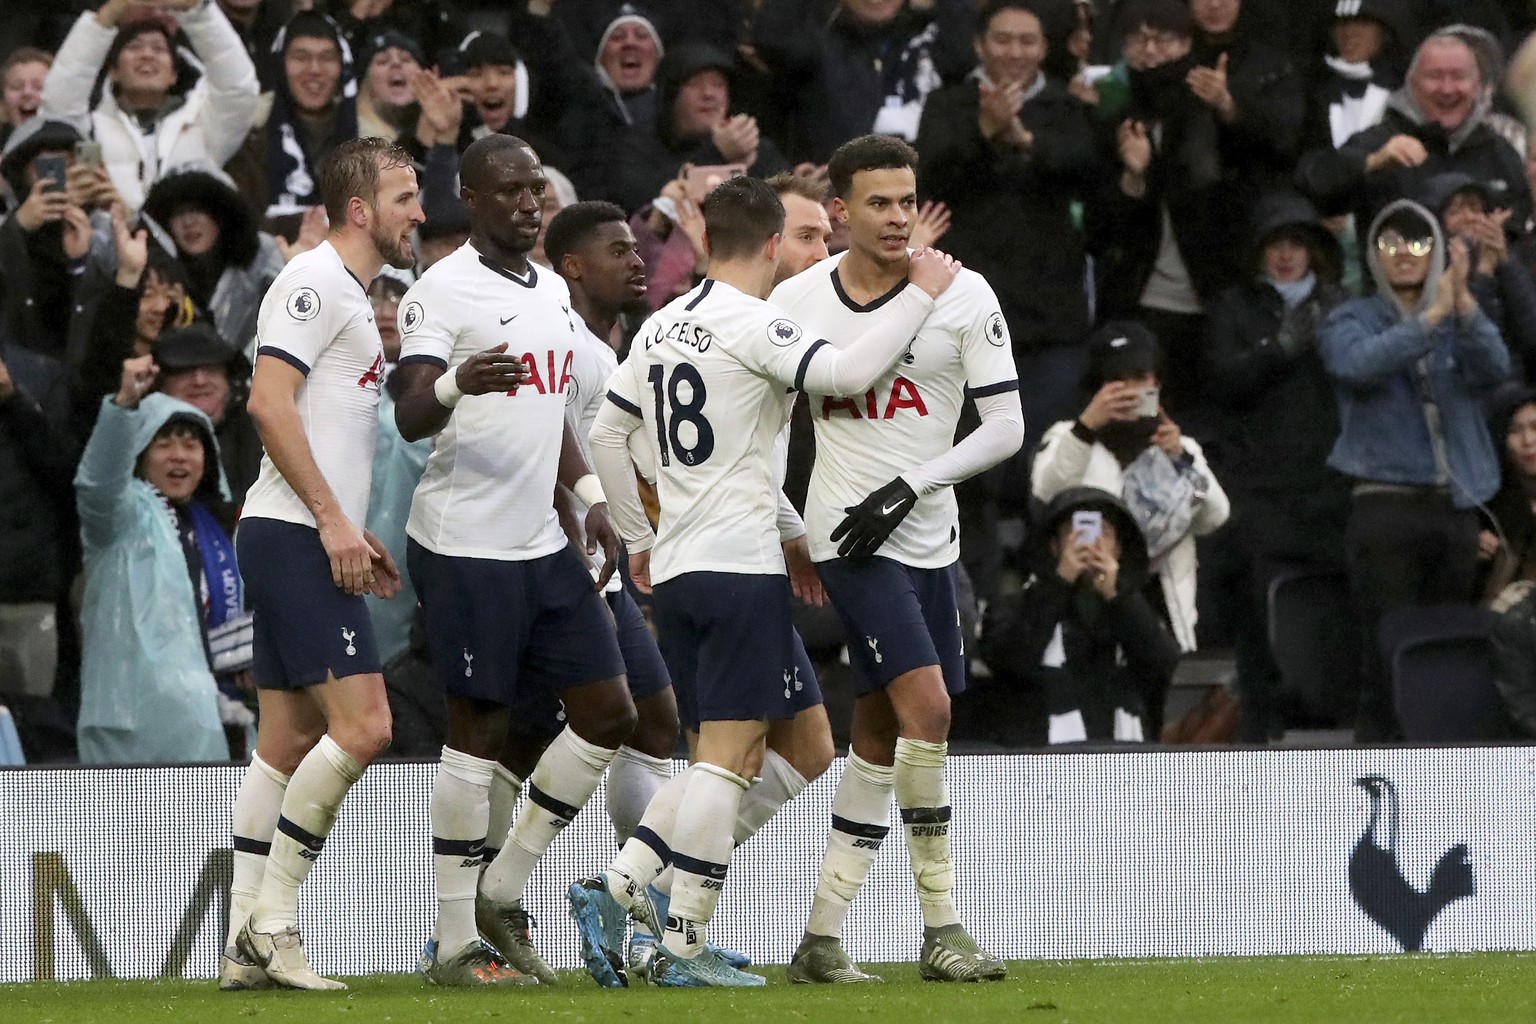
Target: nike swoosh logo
(509,319)
(887,510)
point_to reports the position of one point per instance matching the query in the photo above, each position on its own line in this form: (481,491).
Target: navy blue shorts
(731,644)
(539,707)
(493,623)
(898,619)
(304,627)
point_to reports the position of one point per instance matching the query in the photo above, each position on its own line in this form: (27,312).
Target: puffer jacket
(1065,460)
(208,128)
(1384,365)
(146,693)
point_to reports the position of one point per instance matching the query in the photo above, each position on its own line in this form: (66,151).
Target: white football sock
(648,852)
(257,806)
(561,784)
(701,853)
(633,781)
(459,807)
(505,789)
(925,812)
(779,785)
(310,805)
(861,817)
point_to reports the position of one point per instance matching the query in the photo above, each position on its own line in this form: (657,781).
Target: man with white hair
(1437,122)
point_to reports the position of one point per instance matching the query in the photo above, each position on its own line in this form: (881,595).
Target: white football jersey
(710,375)
(488,490)
(595,364)
(908,417)
(317,318)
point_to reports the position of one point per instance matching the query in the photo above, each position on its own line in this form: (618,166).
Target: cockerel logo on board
(1377,881)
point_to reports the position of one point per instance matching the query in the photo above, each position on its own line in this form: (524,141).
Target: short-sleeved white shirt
(317,318)
(488,490)
(710,375)
(908,417)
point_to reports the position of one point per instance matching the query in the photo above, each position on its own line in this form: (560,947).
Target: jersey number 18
(690,410)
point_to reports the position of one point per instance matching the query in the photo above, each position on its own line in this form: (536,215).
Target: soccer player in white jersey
(592,248)
(883,529)
(487,349)
(706,382)
(307,560)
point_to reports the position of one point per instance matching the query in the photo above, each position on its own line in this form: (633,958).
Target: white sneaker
(238,974)
(281,955)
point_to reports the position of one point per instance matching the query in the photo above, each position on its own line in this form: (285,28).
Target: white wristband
(447,389)
(590,490)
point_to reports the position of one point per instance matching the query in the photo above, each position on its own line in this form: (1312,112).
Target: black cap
(1120,350)
(197,344)
(374,44)
(55,135)
(488,48)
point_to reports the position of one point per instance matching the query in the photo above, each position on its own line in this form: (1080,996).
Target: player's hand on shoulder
(932,271)
(351,555)
(488,372)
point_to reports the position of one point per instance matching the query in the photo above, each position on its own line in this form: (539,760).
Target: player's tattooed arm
(428,394)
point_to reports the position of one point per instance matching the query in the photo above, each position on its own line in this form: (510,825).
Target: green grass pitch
(1452,989)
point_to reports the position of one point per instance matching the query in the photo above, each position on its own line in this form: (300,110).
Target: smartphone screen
(88,153)
(52,167)
(1087,526)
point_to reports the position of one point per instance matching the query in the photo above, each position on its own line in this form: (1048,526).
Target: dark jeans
(1406,550)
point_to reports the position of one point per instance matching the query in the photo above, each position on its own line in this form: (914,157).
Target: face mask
(1127,439)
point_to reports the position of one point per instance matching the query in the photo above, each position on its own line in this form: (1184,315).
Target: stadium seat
(1441,660)
(1315,637)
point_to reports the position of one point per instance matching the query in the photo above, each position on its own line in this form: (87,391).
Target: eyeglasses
(1392,243)
(387,299)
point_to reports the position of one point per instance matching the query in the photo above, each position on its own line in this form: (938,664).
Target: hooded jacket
(279,165)
(1065,460)
(1336,179)
(1508,295)
(146,692)
(208,127)
(1392,377)
(1278,417)
(1092,657)
(654,158)
(243,263)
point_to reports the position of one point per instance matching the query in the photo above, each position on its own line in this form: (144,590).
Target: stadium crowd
(1267,271)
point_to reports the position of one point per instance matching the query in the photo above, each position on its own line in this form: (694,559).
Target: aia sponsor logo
(904,395)
(374,375)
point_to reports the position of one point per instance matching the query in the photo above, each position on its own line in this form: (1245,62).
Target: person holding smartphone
(1124,442)
(1081,632)
(46,243)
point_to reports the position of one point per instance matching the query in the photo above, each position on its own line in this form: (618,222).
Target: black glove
(871,521)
